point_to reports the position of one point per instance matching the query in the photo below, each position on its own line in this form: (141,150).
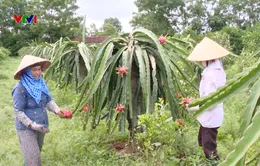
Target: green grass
(68,145)
(9,148)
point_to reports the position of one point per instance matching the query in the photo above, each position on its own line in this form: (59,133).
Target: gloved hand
(39,127)
(192,109)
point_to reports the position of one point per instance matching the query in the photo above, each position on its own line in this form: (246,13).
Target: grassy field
(9,150)
(67,144)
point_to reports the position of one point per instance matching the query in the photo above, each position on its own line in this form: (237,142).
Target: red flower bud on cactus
(162,84)
(179,121)
(179,95)
(162,39)
(120,108)
(187,101)
(85,108)
(121,70)
(67,114)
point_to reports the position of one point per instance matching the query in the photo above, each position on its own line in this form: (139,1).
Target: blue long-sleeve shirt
(27,110)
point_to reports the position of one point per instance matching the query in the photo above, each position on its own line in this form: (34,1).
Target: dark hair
(36,64)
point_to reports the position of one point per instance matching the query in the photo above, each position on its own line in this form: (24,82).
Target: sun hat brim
(207,49)
(29,60)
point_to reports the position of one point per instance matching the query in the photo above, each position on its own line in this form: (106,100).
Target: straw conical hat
(207,49)
(29,60)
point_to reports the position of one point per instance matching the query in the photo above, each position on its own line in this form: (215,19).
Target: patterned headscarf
(35,87)
(215,63)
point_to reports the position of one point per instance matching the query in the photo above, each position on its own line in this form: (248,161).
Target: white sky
(98,10)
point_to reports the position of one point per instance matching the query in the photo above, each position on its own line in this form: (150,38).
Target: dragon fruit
(67,114)
(120,108)
(162,39)
(121,70)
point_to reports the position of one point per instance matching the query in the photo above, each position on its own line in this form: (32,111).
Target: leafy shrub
(251,39)
(223,38)
(159,129)
(4,53)
(166,141)
(236,35)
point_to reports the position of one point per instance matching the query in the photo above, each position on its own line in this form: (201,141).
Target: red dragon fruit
(179,121)
(85,108)
(162,39)
(121,70)
(67,114)
(187,100)
(120,108)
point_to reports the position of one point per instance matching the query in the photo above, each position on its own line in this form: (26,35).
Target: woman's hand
(39,127)
(192,109)
(60,113)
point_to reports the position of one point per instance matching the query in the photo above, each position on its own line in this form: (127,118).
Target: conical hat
(207,49)
(29,60)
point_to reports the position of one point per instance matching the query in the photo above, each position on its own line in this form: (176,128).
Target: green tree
(12,35)
(115,22)
(92,30)
(159,16)
(244,12)
(55,19)
(214,15)
(251,38)
(236,35)
(150,21)
(111,27)
(107,30)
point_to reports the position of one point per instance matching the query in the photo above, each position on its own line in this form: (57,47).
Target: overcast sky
(98,10)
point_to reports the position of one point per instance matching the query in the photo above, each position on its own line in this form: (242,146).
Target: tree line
(57,18)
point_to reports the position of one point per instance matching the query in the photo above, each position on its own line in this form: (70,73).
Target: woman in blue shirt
(31,98)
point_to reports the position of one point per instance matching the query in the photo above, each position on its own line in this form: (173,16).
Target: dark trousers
(207,140)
